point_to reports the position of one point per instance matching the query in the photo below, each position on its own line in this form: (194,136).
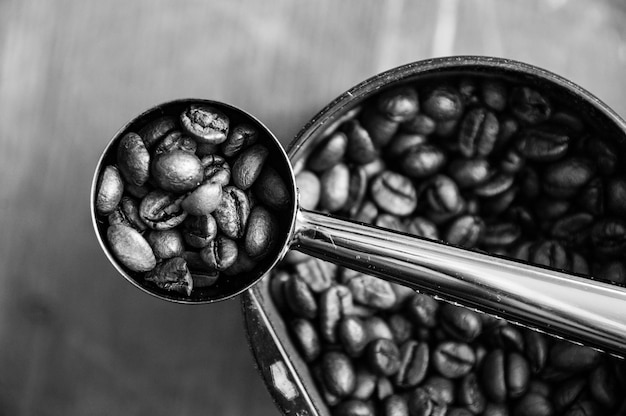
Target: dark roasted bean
(465,231)
(307,340)
(361,149)
(529,105)
(394,193)
(352,334)
(335,187)
(422,161)
(542,144)
(338,373)
(574,358)
(328,153)
(443,103)
(478,132)
(395,405)
(470,394)
(461,323)
(564,178)
(453,359)
(239,137)
(414,363)
(468,173)
(423,310)
(383,357)
(608,237)
(533,405)
(156,130)
(353,408)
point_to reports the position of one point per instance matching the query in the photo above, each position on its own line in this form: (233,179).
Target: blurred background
(76,339)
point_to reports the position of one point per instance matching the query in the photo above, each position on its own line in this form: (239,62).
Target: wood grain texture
(75,339)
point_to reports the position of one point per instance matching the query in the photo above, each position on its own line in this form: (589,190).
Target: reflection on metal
(281,381)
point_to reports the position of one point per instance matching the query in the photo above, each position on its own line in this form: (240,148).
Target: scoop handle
(570,306)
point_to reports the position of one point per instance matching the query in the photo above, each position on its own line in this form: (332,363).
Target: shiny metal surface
(577,308)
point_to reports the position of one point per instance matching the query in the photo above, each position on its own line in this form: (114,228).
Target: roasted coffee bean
(443,103)
(353,335)
(338,373)
(422,227)
(331,310)
(220,253)
(470,395)
(616,196)
(512,162)
(505,336)
(153,132)
(357,189)
(494,186)
(133,159)
(442,389)
(272,190)
(130,248)
(564,178)
(175,140)
(383,357)
(592,197)
(421,403)
(300,298)
(166,244)
(505,375)
(390,222)
(395,405)
(127,213)
(468,173)
(602,152)
(203,200)
(380,128)
(172,275)
(605,386)
(573,229)
(361,148)
(318,274)
(161,210)
(496,409)
(330,152)
(309,188)
(419,124)
(533,404)
(109,190)
(394,193)
(384,388)
(232,212)
(204,278)
(206,124)
(414,364)
(248,166)
(574,358)
(423,310)
(529,105)
(335,189)
(367,212)
(261,232)
(497,234)
(398,104)
(365,384)
(401,327)
(465,231)
(549,253)
(440,194)
(404,142)
(461,323)
(216,169)
(422,161)
(478,132)
(608,237)
(549,209)
(199,231)
(458,411)
(453,359)
(494,93)
(542,144)
(371,291)
(307,340)
(177,171)
(239,137)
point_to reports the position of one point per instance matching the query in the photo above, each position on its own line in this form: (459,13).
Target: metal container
(285,373)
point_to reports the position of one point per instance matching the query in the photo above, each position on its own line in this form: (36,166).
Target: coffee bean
(616,196)
(261,232)
(248,166)
(478,132)
(461,323)
(177,171)
(421,403)
(328,153)
(470,394)
(205,123)
(564,178)
(232,212)
(465,231)
(572,357)
(127,213)
(443,103)
(357,190)
(395,405)
(338,373)
(352,334)
(494,93)
(453,359)
(300,298)
(166,244)
(608,237)
(175,140)
(216,169)
(161,210)
(383,357)
(542,144)
(403,142)
(419,124)
(394,193)
(307,340)
(309,189)
(441,389)
(468,173)
(203,200)
(421,227)
(505,375)
(335,190)
(172,275)
(109,190)
(153,132)
(535,350)
(440,194)
(361,148)
(239,137)
(199,231)
(422,161)
(568,393)
(423,310)
(133,159)
(365,384)
(130,248)
(414,363)
(529,105)
(353,408)
(220,253)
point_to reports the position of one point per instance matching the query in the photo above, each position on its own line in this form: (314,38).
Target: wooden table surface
(76,339)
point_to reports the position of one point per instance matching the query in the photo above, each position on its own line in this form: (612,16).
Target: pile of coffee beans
(188,197)
(483,163)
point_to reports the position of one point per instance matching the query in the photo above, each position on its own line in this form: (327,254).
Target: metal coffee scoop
(570,306)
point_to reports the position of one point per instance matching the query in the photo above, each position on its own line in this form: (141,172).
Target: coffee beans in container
(192,199)
(485,162)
